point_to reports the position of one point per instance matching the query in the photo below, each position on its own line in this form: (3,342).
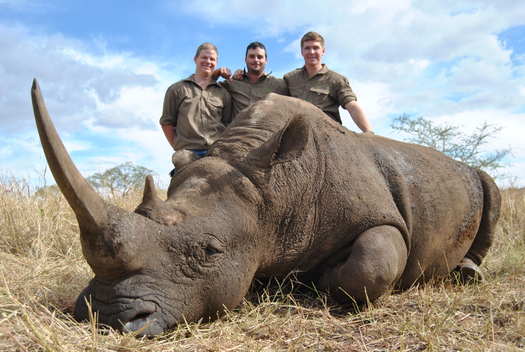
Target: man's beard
(256,72)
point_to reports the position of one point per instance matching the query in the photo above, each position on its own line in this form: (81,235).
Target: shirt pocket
(214,106)
(319,96)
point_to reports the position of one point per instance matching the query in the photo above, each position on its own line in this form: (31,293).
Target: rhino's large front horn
(90,209)
(88,206)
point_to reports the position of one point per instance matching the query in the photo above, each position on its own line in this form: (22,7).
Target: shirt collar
(322,71)
(191,78)
(262,78)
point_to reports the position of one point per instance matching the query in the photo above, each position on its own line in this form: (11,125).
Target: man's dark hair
(255,45)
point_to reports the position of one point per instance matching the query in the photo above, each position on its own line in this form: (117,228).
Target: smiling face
(205,62)
(312,51)
(256,60)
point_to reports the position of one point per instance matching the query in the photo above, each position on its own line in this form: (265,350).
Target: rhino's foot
(468,272)
(377,259)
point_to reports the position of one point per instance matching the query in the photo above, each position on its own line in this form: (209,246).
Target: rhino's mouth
(133,315)
(141,315)
(144,318)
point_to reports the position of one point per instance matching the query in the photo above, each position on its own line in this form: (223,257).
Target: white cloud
(146,147)
(6,151)
(73,146)
(134,106)
(97,100)
(155,151)
(67,73)
(15,3)
(376,100)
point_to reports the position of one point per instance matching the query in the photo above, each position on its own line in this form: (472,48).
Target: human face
(312,52)
(206,61)
(256,60)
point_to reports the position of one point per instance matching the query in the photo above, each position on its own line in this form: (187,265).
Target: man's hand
(238,75)
(223,72)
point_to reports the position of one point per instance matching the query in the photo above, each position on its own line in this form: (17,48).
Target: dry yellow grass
(42,270)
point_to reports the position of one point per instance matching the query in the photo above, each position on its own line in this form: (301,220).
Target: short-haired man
(324,88)
(253,84)
(196,109)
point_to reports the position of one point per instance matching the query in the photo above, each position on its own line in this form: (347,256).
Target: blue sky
(104,66)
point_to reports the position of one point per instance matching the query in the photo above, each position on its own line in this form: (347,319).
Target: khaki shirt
(245,93)
(198,115)
(326,89)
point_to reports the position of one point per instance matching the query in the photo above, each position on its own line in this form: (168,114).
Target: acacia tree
(121,179)
(450,140)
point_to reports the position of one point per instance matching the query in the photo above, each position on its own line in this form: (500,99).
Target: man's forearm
(358,116)
(170,134)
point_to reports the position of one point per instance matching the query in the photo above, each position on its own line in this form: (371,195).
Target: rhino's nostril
(139,322)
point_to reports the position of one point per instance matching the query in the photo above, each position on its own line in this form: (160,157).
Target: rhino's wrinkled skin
(285,188)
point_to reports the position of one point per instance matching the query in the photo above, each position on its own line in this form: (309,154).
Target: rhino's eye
(213,247)
(211,250)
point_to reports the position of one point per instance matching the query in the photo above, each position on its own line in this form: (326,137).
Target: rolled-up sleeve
(344,93)
(170,108)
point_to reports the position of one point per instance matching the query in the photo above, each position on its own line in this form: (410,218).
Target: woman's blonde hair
(206,46)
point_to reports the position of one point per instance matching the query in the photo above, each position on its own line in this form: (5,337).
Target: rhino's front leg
(376,261)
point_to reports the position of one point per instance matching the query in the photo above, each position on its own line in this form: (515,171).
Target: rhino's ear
(286,145)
